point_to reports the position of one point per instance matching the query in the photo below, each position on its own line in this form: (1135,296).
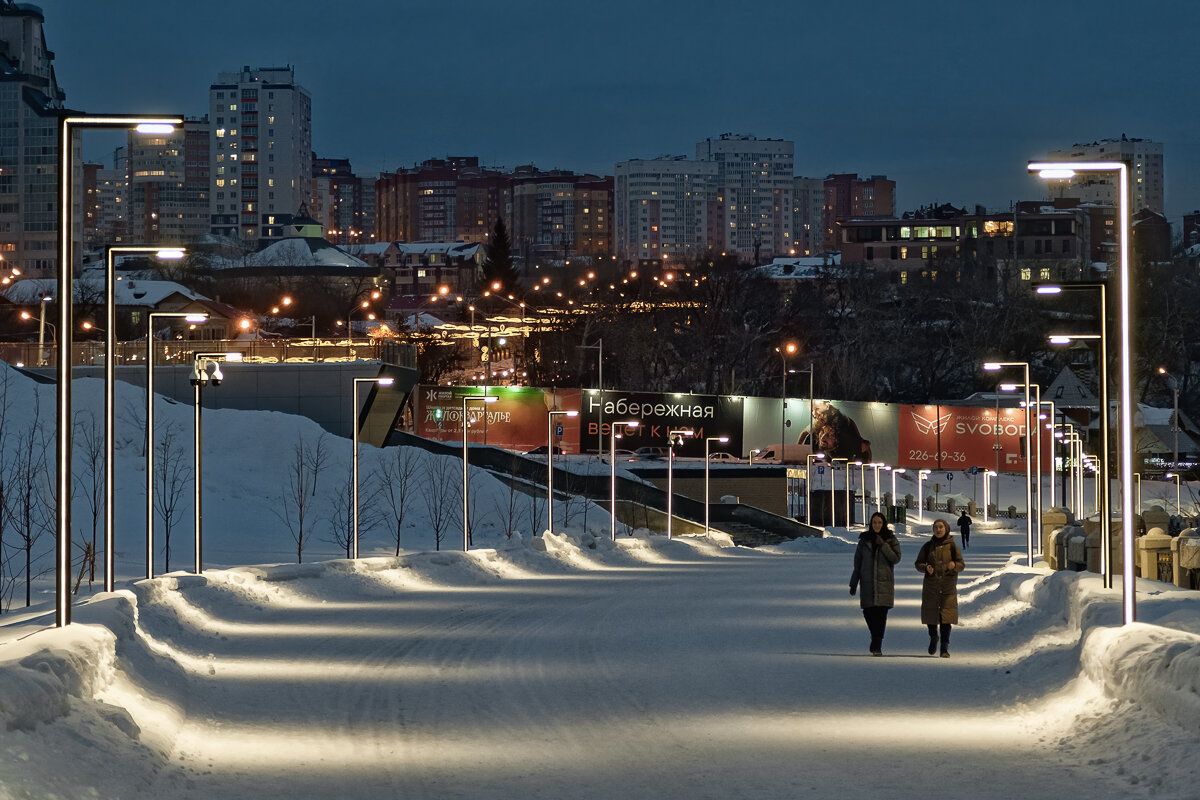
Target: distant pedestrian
(875,561)
(964,527)
(940,561)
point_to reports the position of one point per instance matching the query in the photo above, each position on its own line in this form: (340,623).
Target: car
(723,456)
(649,454)
(541,451)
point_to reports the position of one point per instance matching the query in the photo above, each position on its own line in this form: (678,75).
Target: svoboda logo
(990,428)
(931,426)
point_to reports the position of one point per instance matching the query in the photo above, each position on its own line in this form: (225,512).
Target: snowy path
(712,674)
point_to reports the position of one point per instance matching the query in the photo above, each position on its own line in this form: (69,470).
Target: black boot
(933,641)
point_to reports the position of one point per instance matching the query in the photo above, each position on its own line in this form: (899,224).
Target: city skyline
(950,105)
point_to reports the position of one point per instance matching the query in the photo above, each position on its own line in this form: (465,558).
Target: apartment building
(849,196)
(337,201)
(558,214)
(1144,157)
(808,216)
(30,99)
(663,208)
(168,186)
(261,149)
(754,195)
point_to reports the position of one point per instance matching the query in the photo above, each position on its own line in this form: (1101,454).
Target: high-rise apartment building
(261,149)
(29,103)
(847,196)
(337,201)
(754,185)
(1144,158)
(557,214)
(169,185)
(808,204)
(663,208)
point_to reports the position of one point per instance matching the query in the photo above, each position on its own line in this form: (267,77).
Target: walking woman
(874,568)
(940,561)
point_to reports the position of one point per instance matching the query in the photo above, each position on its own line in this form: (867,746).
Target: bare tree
(295,506)
(443,496)
(475,515)
(89,482)
(318,456)
(340,518)
(172,479)
(398,483)
(535,514)
(507,505)
(32,506)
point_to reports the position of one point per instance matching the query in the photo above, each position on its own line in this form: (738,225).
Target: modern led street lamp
(1068,169)
(708,440)
(550,464)
(200,378)
(612,472)
(68,124)
(466,487)
(995,366)
(673,437)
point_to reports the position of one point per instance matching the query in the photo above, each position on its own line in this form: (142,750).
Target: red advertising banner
(966,437)
(518,420)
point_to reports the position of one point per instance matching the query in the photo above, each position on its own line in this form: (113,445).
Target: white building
(169,184)
(1144,158)
(662,208)
(29,103)
(754,185)
(261,150)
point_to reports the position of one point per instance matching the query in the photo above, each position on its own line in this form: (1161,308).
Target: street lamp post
(1175,416)
(672,436)
(200,377)
(110,383)
(784,351)
(708,440)
(833,468)
(466,487)
(878,495)
(352,540)
(1104,501)
(1178,507)
(612,470)
(862,474)
(921,473)
(68,123)
(895,470)
(1067,169)
(550,463)
(193,318)
(1137,482)
(987,474)
(808,462)
(993,366)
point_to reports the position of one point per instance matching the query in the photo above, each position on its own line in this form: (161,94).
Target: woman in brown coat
(940,561)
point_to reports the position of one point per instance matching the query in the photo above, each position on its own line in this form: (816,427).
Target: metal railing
(179,351)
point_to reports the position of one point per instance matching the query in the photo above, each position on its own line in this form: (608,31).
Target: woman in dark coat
(940,561)
(874,569)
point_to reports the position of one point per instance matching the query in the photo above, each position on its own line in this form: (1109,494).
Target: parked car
(723,456)
(649,454)
(541,451)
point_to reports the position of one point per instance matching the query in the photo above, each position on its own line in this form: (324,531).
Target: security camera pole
(672,437)
(201,364)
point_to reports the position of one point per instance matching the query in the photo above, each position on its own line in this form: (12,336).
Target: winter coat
(964,524)
(874,569)
(939,593)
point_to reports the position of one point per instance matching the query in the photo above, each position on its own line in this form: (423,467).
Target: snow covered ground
(573,666)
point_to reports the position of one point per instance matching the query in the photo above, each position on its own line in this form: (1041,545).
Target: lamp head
(992,366)
(1049,290)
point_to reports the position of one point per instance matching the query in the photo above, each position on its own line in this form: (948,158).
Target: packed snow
(563,665)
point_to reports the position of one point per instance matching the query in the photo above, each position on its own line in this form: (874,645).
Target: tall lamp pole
(994,366)
(1068,169)
(69,123)
(1104,501)
(466,486)
(550,463)
(921,473)
(612,473)
(708,440)
(784,351)
(200,377)
(355,422)
(110,383)
(192,318)
(808,462)
(672,436)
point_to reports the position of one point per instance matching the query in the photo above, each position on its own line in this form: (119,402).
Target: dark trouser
(944,634)
(966,537)
(876,617)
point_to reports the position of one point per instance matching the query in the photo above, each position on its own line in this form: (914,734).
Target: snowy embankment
(124,680)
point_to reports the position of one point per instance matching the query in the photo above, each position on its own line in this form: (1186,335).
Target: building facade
(808,216)
(30,99)
(663,208)
(1144,157)
(261,149)
(169,184)
(558,214)
(754,195)
(848,196)
(337,201)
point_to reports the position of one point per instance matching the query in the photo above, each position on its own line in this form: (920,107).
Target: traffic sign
(949,477)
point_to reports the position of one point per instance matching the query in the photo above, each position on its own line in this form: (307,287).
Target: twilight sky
(949,99)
